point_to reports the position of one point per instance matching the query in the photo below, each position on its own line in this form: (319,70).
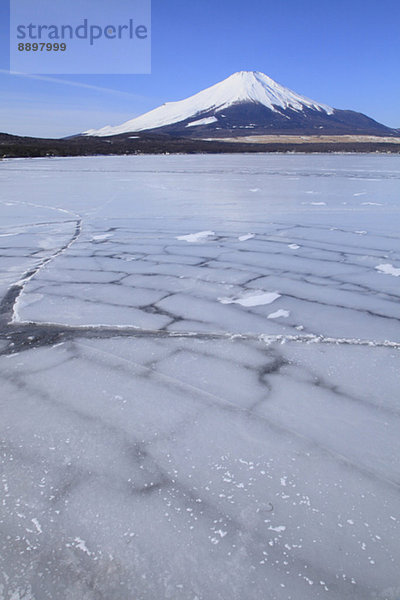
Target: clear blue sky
(345,53)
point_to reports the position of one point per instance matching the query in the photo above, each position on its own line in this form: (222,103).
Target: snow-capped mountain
(247,102)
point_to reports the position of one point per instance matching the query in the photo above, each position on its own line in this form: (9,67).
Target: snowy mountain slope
(245,100)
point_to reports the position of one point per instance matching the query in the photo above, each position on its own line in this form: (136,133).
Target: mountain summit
(247,102)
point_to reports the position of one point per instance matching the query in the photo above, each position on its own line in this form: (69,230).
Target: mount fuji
(247,103)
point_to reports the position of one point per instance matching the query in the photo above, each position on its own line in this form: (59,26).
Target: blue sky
(343,53)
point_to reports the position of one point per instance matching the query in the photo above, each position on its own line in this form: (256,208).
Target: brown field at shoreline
(307,139)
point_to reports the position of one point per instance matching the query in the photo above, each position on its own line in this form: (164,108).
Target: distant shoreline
(12,146)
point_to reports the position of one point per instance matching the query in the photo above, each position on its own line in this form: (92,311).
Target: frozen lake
(199,365)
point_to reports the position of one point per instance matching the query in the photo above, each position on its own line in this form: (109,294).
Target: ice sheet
(160,443)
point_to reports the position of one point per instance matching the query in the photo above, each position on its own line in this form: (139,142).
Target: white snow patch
(81,544)
(257,299)
(205,121)
(388,269)
(195,237)
(278,314)
(278,529)
(37,525)
(244,238)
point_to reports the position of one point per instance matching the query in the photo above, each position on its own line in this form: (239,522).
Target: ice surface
(159,443)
